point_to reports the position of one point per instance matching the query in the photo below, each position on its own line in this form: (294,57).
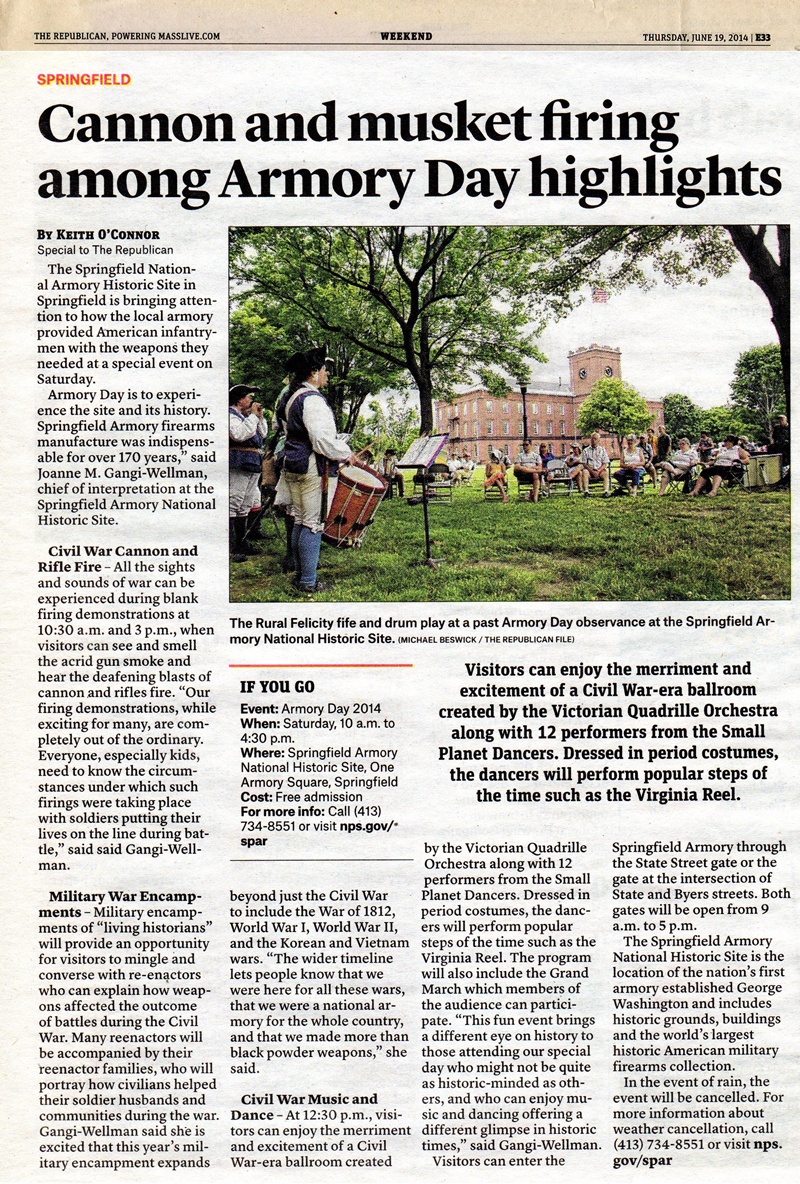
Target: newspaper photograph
(438,391)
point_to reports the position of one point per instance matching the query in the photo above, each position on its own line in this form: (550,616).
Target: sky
(685,339)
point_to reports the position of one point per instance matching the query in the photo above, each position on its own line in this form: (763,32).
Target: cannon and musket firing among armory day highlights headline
(443,177)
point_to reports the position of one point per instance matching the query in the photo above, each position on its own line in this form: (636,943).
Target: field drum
(359,492)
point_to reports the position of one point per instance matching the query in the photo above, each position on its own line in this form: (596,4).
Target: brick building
(478,420)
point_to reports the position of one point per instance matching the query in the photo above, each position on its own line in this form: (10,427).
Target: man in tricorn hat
(247,433)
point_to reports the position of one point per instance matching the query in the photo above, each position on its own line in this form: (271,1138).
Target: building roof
(535,386)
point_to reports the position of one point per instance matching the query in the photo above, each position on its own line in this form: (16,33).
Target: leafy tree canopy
(757,393)
(262,338)
(681,417)
(441,303)
(614,407)
(720,422)
(391,425)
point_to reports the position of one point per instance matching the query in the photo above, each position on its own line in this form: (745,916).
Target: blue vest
(298,450)
(247,454)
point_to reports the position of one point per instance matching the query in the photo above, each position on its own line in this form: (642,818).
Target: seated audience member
(631,470)
(546,455)
(528,466)
(680,463)
(574,463)
(596,466)
(730,457)
(555,467)
(388,468)
(648,452)
(495,474)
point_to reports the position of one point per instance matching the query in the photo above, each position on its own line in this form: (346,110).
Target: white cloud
(685,339)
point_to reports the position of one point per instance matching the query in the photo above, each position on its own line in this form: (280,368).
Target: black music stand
(420,456)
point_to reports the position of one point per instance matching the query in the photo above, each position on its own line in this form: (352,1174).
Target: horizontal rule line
(321,666)
(376,860)
(421,44)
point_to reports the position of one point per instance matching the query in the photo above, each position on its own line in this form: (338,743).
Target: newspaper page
(400,651)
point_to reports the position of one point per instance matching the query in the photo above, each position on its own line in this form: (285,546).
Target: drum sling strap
(323,505)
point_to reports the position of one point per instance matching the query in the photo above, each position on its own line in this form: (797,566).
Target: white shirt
(242,430)
(595,458)
(726,457)
(684,460)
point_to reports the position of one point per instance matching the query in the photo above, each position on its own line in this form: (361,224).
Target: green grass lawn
(734,547)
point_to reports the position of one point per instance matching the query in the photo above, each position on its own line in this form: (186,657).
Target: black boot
(236,528)
(245,546)
(254,532)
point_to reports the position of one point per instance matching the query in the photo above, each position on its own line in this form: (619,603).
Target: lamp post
(523,391)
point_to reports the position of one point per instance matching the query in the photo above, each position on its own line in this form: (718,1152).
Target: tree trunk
(772,277)
(419,367)
(426,402)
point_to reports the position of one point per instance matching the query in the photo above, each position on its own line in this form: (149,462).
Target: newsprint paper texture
(437,818)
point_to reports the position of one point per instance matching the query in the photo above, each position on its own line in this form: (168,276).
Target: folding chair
(524,485)
(437,479)
(681,482)
(736,479)
(494,493)
(557,477)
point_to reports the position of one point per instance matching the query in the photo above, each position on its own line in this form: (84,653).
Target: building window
(535,427)
(505,408)
(520,427)
(563,428)
(506,427)
(563,410)
(490,427)
(475,406)
(519,409)
(489,405)
(549,409)
(536,409)
(549,427)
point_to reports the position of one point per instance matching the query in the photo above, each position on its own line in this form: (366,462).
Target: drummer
(312,457)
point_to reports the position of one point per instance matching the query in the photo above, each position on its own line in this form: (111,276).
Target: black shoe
(303,590)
